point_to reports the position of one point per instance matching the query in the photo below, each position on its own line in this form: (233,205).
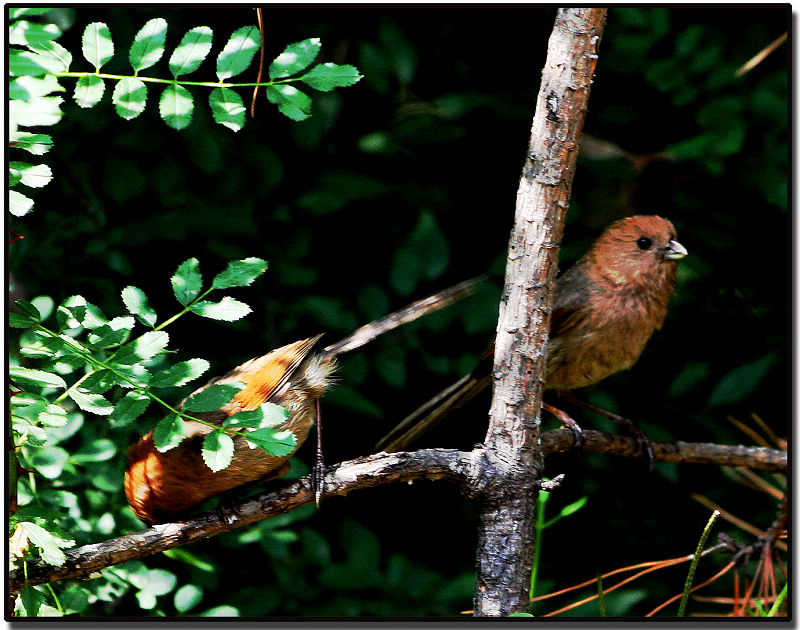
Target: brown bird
(606,307)
(165,486)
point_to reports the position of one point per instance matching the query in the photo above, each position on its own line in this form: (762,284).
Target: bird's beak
(674,251)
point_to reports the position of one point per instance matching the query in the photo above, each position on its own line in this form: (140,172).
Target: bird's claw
(318,481)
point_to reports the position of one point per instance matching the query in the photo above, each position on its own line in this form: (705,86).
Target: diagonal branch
(368,472)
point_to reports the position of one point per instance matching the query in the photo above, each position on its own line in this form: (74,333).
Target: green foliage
(417,166)
(36,62)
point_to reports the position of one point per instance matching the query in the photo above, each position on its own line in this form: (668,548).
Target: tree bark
(510,464)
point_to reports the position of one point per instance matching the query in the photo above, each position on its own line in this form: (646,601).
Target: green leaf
(113,333)
(267,415)
(169,433)
(93,403)
(327,76)
(295,58)
(238,52)
(18,204)
(47,57)
(35,143)
(176,106)
(32,601)
(290,101)
(129,408)
(190,53)
(15,14)
(187,281)
(96,451)
(89,91)
(136,302)
(180,373)
(217,450)
(142,349)
(49,544)
(227,108)
(212,397)
(226,310)
(31,175)
(22,375)
(277,443)
(130,97)
(148,46)
(741,381)
(240,273)
(30,314)
(41,111)
(24,33)
(97,46)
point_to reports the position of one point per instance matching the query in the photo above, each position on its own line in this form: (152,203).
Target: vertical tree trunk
(508,468)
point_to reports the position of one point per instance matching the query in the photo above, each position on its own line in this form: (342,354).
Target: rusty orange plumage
(165,486)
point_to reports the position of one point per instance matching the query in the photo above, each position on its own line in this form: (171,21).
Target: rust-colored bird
(606,307)
(165,486)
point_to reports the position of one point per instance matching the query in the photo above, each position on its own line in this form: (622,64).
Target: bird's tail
(432,303)
(436,409)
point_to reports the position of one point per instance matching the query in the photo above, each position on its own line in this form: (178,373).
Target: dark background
(405,184)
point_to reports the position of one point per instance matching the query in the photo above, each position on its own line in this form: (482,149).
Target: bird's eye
(644,243)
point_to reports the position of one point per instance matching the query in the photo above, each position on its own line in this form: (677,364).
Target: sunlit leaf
(176,106)
(238,52)
(148,45)
(190,53)
(97,45)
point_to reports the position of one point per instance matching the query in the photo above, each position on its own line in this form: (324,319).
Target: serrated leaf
(25,33)
(148,45)
(47,57)
(227,108)
(136,302)
(239,273)
(97,45)
(190,53)
(20,320)
(277,443)
(267,415)
(49,544)
(187,281)
(112,333)
(169,433)
(22,375)
(290,101)
(30,315)
(295,58)
(35,143)
(142,349)
(93,403)
(31,175)
(217,450)
(238,52)
(130,97)
(226,310)
(18,204)
(41,111)
(176,106)
(89,91)
(180,373)
(129,408)
(212,397)
(327,76)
